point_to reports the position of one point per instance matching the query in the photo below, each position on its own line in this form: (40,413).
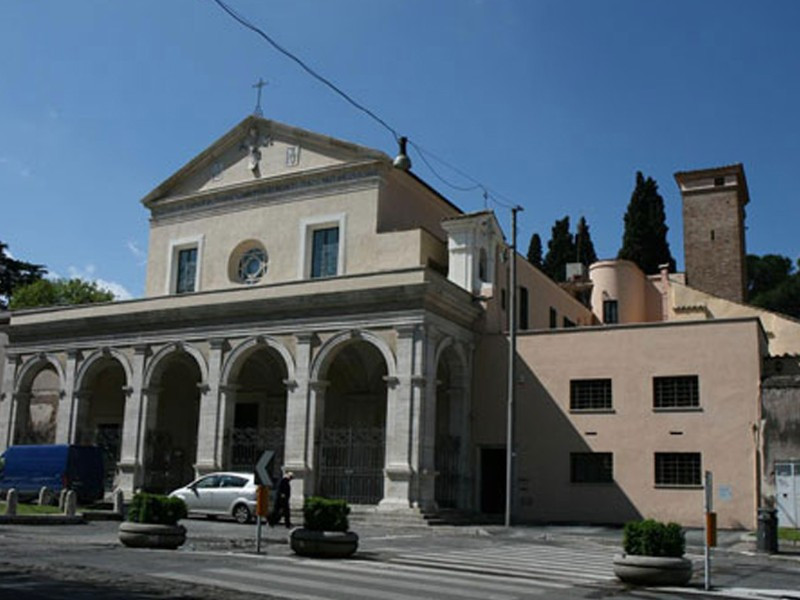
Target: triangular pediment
(259,149)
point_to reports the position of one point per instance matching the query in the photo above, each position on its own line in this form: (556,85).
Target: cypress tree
(535,251)
(560,251)
(584,247)
(645,239)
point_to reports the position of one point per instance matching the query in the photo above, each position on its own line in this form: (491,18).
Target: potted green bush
(325,532)
(153,522)
(653,554)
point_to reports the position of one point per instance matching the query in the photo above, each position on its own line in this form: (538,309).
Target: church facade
(305,296)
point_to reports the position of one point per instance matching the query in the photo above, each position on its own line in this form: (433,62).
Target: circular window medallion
(252,265)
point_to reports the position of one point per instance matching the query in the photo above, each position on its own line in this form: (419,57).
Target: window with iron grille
(676,392)
(590,394)
(591,467)
(678,469)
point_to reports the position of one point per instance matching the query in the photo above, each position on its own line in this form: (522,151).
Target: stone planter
(652,570)
(323,544)
(149,535)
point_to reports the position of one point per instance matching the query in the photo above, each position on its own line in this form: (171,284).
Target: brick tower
(713,230)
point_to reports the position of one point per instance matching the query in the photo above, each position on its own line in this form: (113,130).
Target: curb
(41,520)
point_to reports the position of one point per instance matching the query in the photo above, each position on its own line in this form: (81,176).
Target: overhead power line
(488,194)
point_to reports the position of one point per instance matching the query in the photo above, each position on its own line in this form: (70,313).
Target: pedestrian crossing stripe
(303,579)
(525,562)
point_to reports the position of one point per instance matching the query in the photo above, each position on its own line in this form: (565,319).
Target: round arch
(33,365)
(97,356)
(330,348)
(242,352)
(161,357)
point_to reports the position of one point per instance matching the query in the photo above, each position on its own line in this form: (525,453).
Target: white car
(221,494)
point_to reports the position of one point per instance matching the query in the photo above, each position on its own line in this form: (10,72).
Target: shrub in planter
(653,538)
(153,522)
(653,554)
(325,532)
(324,514)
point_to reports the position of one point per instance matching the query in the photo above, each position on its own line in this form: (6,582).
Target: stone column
(130,465)
(7,401)
(466,493)
(426,481)
(299,437)
(402,420)
(316,423)
(211,412)
(67,416)
(227,399)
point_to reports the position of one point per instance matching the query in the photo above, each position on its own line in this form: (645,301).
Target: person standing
(282,501)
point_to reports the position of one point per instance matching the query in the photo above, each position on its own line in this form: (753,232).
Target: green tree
(773,284)
(765,273)
(57,292)
(560,251)
(584,247)
(15,273)
(645,239)
(535,251)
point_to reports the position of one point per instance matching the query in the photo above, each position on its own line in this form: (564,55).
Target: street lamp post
(512,354)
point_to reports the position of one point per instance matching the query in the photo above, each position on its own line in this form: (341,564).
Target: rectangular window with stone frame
(187,271)
(325,252)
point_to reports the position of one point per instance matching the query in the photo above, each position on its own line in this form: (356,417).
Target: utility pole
(512,355)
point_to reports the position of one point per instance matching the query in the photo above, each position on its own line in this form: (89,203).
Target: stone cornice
(266,191)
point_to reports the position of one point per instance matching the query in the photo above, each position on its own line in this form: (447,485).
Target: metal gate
(447,475)
(787,491)
(351,464)
(247,443)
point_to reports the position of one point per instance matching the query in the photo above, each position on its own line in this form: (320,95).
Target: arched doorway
(172,420)
(351,442)
(38,395)
(101,410)
(450,439)
(259,410)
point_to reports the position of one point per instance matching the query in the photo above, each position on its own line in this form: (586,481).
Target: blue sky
(553,104)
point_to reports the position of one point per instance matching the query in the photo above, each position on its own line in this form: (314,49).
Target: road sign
(262,468)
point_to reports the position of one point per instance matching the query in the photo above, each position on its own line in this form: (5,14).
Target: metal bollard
(62,498)
(71,504)
(11,502)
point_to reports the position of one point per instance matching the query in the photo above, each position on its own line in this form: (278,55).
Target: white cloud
(119,290)
(138,253)
(88,274)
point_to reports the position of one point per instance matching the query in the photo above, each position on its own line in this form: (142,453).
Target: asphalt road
(219,561)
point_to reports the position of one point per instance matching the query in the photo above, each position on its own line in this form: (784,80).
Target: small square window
(591,467)
(679,469)
(590,394)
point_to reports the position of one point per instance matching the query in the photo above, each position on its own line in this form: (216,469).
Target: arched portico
(37,398)
(254,383)
(172,390)
(451,426)
(349,406)
(100,386)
